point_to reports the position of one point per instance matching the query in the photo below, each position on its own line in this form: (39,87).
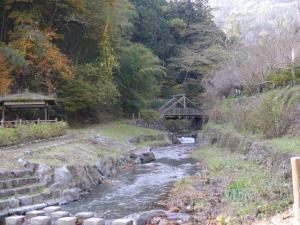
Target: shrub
(270,115)
(177,126)
(237,191)
(281,78)
(150,116)
(7,136)
(31,132)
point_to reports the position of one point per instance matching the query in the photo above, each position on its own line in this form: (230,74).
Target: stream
(141,188)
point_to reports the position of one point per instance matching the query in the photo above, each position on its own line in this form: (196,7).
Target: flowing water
(141,188)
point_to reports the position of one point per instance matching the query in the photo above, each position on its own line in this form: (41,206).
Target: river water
(141,188)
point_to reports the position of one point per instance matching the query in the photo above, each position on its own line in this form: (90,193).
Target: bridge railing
(180,112)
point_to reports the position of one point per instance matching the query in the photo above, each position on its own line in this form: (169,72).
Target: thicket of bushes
(31,132)
(270,115)
(150,116)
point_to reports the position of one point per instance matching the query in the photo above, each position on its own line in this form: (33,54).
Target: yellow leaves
(48,65)
(59,62)
(5,77)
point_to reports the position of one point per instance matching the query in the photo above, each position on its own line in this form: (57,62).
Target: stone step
(27,200)
(8,174)
(24,209)
(5,193)
(17,182)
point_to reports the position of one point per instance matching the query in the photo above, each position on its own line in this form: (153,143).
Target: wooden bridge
(180,107)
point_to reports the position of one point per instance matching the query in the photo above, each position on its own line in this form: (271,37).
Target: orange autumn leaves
(5,76)
(47,63)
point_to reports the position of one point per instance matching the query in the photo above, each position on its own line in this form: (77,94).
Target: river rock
(104,166)
(15,220)
(135,157)
(45,174)
(146,217)
(70,195)
(147,157)
(62,176)
(94,221)
(163,221)
(122,222)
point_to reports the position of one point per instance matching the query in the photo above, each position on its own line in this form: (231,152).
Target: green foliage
(31,132)
(90,92)
(237,191)
(177,126)
(281,78)
(150,116)
(104,56)
(269,115)
(138,77)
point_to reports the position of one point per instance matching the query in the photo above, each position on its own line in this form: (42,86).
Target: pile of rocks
(55,216)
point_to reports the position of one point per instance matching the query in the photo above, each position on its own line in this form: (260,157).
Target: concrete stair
(4,193)
(17,182)
(21,190)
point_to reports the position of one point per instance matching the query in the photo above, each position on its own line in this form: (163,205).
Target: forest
(108,58)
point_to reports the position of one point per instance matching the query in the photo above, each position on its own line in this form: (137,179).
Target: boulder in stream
(146,217)
(70,195)
(147,157)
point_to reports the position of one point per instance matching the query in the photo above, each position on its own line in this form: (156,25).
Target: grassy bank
(231,185)
(31,132)
(268,115)
(82,146)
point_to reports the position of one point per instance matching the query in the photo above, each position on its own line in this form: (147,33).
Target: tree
(139,76)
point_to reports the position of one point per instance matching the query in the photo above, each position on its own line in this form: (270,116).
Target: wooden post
(133,116)
(3,115)
(46,112)
(293,67)
(55,120)
(296,188)
(2,123)
(139,115)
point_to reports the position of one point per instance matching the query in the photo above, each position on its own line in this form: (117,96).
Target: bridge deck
(181,112)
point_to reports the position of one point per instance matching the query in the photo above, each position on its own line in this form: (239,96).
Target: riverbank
(243,179)
(84,145)
(60,170)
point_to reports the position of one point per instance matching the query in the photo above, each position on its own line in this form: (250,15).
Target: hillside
(254,16)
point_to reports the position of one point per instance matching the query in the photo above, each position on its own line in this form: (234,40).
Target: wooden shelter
(26,100)
(180,107)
